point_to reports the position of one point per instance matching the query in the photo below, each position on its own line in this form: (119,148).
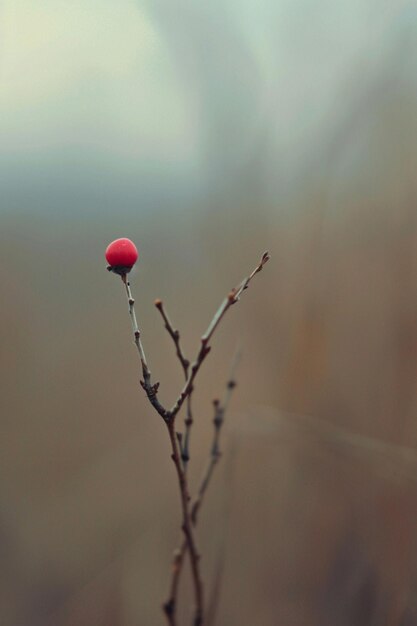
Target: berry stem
(150,388)
(187,526)
(135,328)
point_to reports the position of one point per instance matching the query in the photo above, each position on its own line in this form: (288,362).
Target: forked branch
(179,446)
(233,297)
(220,409)
(185,364)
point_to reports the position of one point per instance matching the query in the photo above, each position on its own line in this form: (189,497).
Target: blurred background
(207,133)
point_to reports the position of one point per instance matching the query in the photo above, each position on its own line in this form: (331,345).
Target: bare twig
(150,388)
(220,409)
(151,391)
(169,607)
(231,299)
(188,423)
(180,445)
(175,334)
(185,364)
(219,413)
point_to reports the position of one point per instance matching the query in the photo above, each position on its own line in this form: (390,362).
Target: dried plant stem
(231,299)
(169,607)
(150,388)
(185,364)
(180,445)
(189,420)
(151,391)
(220,409)
(175,335)
(179,554)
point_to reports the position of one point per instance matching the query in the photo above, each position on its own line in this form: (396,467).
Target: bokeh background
(208,132)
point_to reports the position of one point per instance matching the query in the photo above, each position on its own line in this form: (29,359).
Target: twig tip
(265,257)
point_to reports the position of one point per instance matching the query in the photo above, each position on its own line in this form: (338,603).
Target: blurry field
(312,515)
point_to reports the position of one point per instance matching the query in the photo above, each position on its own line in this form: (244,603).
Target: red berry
(121,255)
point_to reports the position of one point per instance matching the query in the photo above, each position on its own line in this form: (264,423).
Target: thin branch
(150,388)
(188,423)
(151,391)
(187,528)
(175,335)
(220,409)
(185,364)
(231,299)
(180,452)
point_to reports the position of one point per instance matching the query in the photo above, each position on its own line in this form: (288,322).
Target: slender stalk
(151,391)
(231,299)
(187,528)
(179,554)
(150,388)
(180,445)
(175,335)
(185,364)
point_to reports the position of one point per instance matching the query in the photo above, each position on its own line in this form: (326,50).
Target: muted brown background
(312,513)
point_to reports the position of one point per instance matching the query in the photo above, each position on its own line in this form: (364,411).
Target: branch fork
(180,442)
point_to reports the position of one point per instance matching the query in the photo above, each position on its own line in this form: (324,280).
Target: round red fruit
(121,254)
